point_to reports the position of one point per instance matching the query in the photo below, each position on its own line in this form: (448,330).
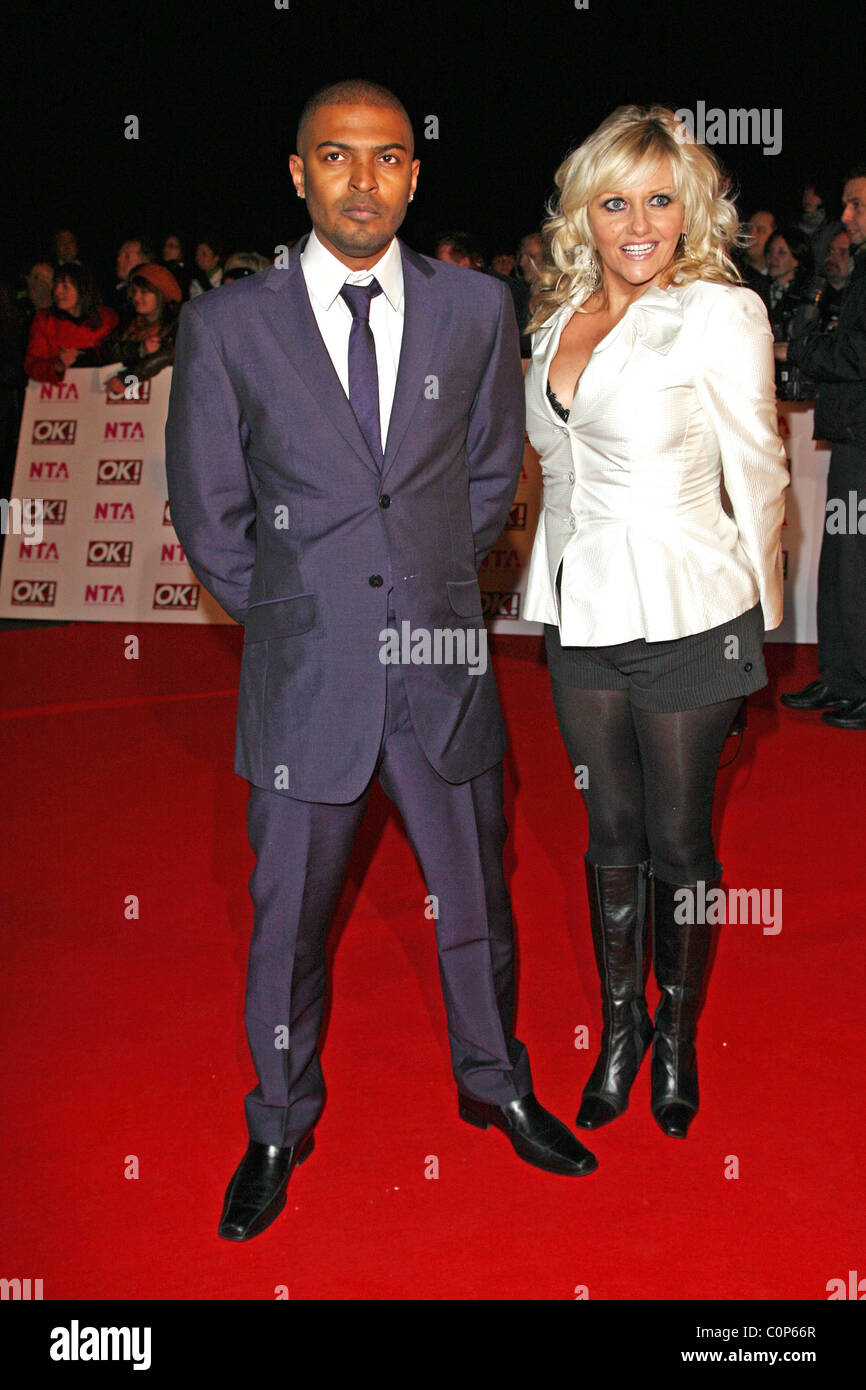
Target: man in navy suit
(344,439)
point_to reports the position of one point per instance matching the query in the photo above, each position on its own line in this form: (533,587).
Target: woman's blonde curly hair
(623,151)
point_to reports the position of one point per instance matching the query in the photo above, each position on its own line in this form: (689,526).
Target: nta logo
(103,593)
(54,470)
(123,429)
(113,511)
(58,391)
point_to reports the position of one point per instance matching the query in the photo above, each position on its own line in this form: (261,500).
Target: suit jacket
(677,398)
(286,519)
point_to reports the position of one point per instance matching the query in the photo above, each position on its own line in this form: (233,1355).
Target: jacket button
(747,665)
(571,477)
(384,500)
(375,581)
(572,523)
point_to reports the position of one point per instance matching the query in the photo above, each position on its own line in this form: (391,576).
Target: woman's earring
(585,264)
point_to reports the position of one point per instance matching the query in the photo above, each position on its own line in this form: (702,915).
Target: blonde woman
(651,383)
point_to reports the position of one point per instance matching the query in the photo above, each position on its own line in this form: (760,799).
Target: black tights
(649,779)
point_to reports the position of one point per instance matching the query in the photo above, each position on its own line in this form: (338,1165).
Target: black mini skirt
(723,663)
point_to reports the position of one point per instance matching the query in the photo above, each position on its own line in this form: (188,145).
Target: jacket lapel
(290,317)
(545,342)
(419,323)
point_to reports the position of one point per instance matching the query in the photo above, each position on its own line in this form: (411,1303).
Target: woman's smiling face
(637,229)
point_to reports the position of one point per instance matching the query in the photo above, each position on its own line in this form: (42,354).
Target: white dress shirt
(325,277)
(678,397)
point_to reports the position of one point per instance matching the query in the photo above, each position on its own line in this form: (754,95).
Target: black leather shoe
(257,1192)
(536,1135)
(849,715)
(815,695)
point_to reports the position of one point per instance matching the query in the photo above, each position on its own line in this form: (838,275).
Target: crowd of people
(801,270)
(65,313)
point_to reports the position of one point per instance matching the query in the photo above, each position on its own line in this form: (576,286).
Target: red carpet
(123,1038)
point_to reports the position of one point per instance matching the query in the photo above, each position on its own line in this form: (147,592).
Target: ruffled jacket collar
(656,318)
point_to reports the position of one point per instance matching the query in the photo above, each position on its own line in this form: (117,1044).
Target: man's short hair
(858,172)
(355,91)
(146,251)
(762,207)
(464,245)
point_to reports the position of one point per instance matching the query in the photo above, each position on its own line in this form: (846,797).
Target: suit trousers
(302,851)
(842,584)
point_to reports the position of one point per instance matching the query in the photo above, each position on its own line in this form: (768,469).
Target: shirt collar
(326,276)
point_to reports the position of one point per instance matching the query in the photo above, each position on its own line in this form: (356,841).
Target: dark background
(515,85)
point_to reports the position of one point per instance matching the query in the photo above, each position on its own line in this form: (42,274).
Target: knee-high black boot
(681,955)
(619,918)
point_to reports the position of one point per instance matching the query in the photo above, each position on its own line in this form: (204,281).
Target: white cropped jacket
(679,396)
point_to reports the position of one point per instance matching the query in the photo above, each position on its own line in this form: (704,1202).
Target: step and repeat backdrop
(108,551)
(90,534)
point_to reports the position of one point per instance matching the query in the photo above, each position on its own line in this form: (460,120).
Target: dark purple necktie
(363,372)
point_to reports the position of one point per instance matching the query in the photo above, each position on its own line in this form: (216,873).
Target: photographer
(838,267)
(791,293)
(836,360)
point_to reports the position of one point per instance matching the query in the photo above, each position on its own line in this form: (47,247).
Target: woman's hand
(67,356)
(151,343)
(115,386)
(780,352)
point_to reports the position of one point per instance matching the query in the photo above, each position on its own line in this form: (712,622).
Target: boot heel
(305,1149)
(471,1116)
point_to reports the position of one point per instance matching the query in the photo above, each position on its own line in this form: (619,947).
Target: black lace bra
(560,409)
